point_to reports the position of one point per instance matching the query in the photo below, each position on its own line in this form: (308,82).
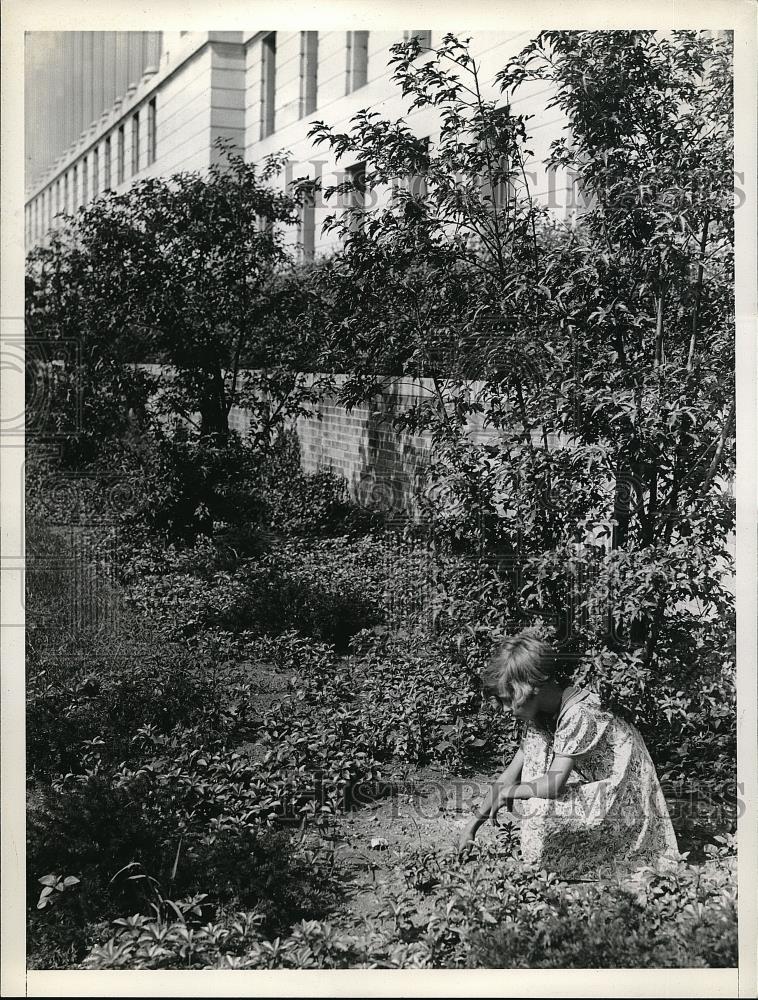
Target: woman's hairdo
(518,668)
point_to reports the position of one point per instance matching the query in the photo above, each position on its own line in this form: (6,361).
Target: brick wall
(379,463)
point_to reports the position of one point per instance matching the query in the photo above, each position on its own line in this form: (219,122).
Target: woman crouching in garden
(582,782)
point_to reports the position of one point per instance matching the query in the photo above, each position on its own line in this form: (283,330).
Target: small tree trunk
(214,419)
(621,504)
(659,329)
(648,527)
(698,296)
(726,431)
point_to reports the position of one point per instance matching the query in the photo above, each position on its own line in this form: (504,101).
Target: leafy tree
(189,272)
(641,299)
(603,343)
(186,271)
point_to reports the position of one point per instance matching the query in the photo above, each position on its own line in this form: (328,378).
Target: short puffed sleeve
(579,730)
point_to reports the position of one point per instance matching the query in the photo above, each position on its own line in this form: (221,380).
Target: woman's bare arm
(547,786)
(509,777)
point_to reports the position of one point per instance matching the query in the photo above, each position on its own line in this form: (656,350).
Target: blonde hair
(518,668)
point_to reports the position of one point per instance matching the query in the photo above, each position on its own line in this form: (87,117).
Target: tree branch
(716,461)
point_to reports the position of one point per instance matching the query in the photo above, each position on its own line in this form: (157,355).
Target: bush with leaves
(176,271)
(321,588)
(87,688)
(129,842)
(307,504)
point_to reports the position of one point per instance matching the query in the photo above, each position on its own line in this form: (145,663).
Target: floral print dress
(611,817)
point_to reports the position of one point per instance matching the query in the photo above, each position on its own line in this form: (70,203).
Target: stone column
(135,56)
(71,84)
(88,66)
(152,51)
(122,62)
(109,68)
(98,75)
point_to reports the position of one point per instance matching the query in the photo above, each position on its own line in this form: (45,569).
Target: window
(135,143)
(120,155)
(107,165)
(85,179)
(75,188)
(151,133)
(357,60)
(308,227)
(424,38)
(95,171)
(268,84)
(355,197)
(308,71)
(57,196)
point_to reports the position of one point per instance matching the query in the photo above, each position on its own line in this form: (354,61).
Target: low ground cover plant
(492,913)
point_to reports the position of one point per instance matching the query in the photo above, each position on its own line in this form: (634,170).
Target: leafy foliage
(498,916)
(188,272)
(129,853)
(603,344)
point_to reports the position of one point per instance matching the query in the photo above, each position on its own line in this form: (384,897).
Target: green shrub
(129,843)
(88,683)
(88,830)
(318,589)
(247,867)
(497,913)
(618,934)
(186,486)
(231,943)
(162,688)
(302,504)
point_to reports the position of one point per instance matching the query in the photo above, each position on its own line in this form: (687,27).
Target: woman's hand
(502,796)
(468,835)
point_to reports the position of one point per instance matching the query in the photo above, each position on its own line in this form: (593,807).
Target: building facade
(262,91)
(71,79)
